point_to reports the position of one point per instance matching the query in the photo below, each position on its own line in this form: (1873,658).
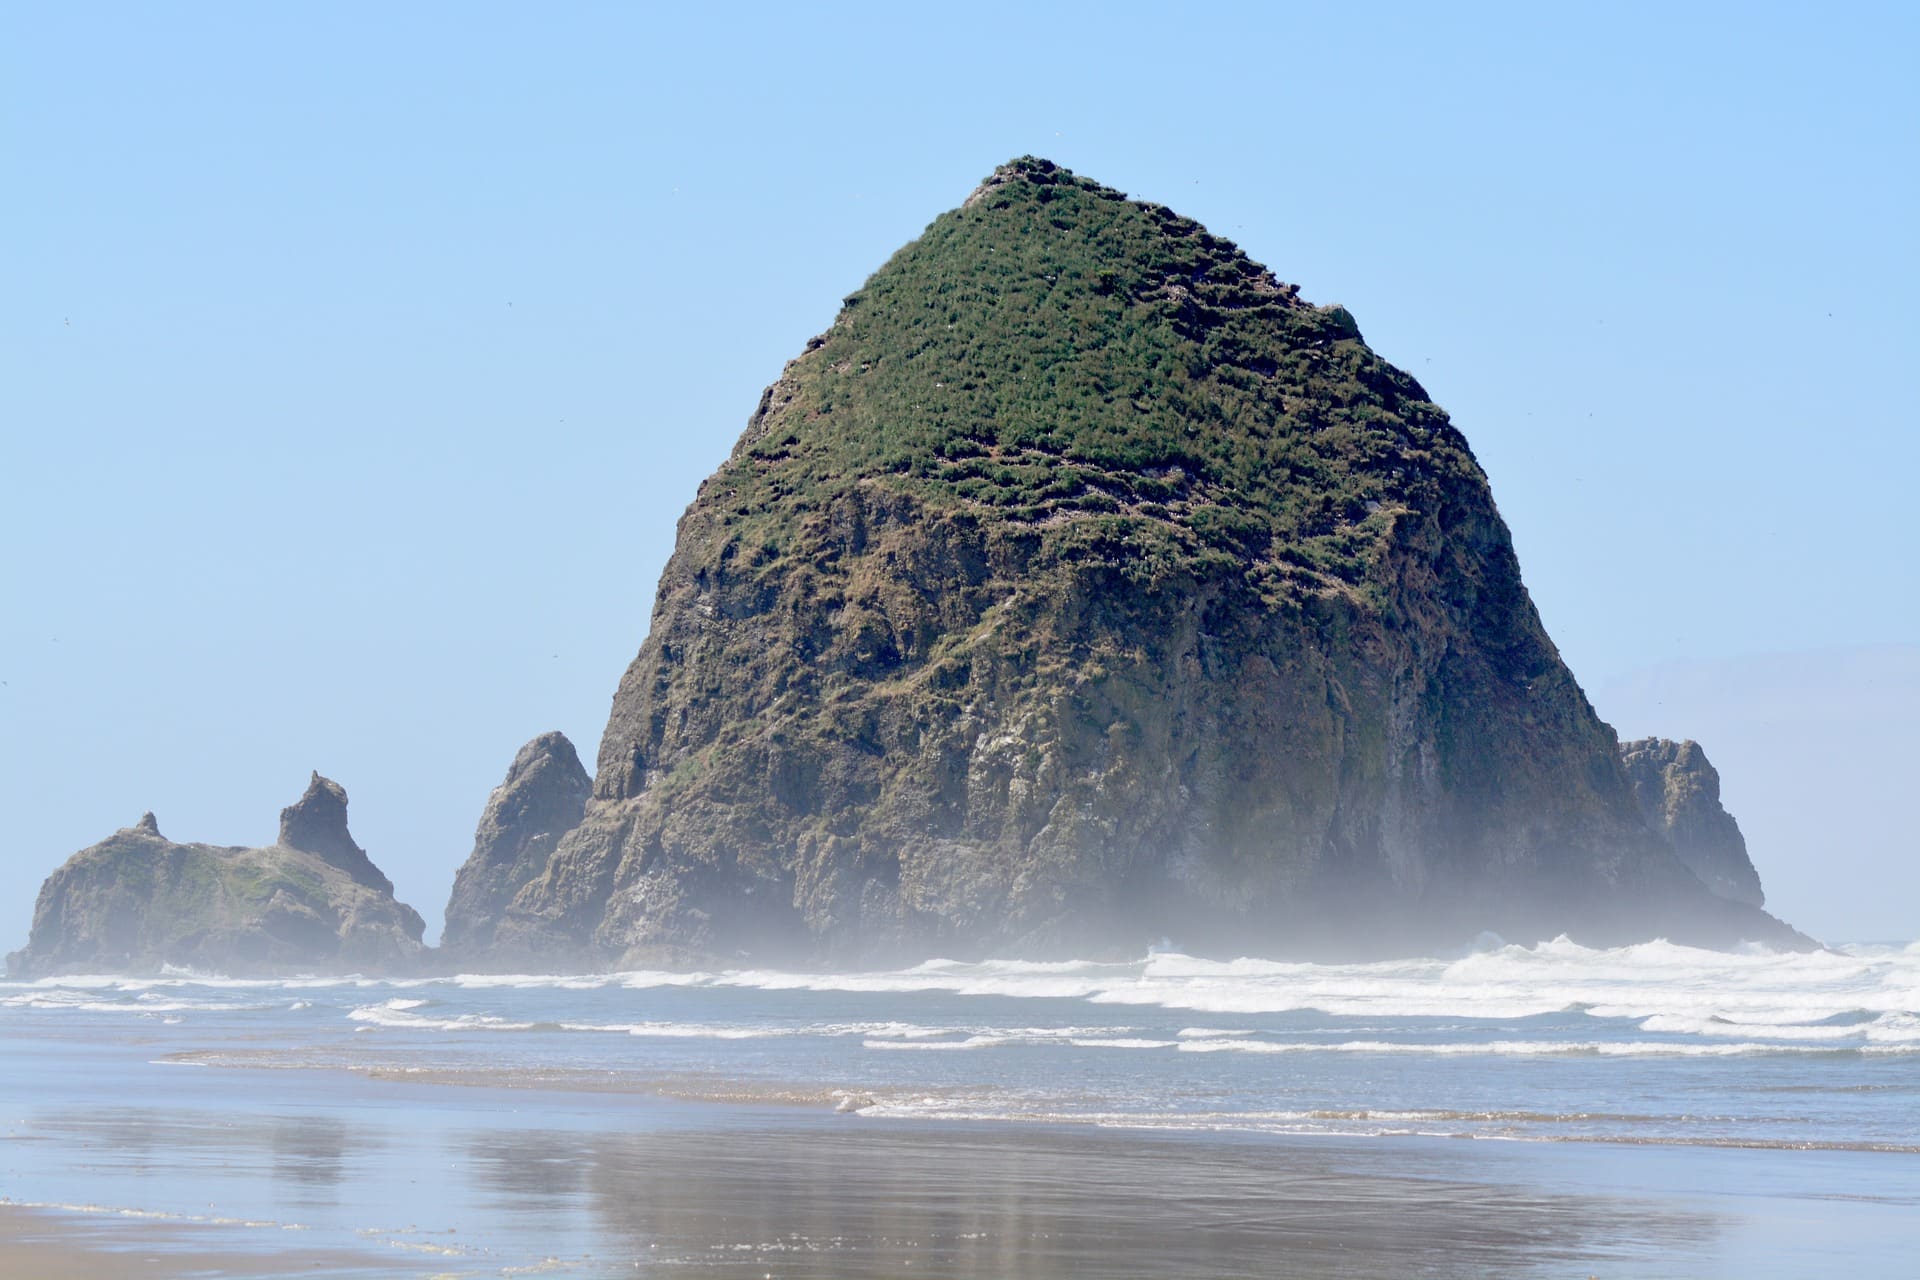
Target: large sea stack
(1081,587)
(137,902)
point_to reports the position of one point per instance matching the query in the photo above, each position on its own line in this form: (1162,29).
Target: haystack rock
(311,902)
(1084,586)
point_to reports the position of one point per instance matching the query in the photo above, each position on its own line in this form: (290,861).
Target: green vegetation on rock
(1081,586)
(138,902)
(1110,375)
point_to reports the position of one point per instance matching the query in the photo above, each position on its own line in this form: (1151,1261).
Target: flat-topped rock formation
(138,902)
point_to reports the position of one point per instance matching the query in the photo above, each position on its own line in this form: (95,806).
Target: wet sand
(38,1244)
(739,1193)
(246,1171)
(858,1200)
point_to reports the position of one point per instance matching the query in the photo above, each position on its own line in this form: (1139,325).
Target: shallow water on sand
(1652,1111)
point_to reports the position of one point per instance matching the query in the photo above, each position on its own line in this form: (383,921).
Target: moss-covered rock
(1083,586)
(137,903)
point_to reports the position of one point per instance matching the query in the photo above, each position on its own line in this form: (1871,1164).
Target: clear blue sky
(357,360)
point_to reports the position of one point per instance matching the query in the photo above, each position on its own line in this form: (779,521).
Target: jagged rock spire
(316,823)
(542,798)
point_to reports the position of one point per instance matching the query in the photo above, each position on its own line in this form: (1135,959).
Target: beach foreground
(1528,1113)
(49,1245)
(391,1178)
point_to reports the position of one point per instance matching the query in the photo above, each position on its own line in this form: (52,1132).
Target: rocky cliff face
(544,797)
(137,901)
(1679,794)
(1083,586)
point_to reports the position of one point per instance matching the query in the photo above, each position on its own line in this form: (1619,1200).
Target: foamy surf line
(693,1087)
(1645,981)
(1853,1029)
(1491,1048)
(404,1014)
(991,1105)
(1492,1127)
(1547,1048)
(1869,996)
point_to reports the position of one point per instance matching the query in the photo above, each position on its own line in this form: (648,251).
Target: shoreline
(868,1103)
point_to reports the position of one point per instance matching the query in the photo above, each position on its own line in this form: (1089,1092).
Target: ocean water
(475,1109)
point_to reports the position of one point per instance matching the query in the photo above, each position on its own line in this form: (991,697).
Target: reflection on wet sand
(311,1155)
(855,1200)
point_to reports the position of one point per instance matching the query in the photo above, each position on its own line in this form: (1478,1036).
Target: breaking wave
(1869,994)
(1656,998)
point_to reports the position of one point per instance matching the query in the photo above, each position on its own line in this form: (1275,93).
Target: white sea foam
(946,1038)
(403,1017)
(1760,991)
(1509,982)
(533,981)
(1885,1028)
(1534,1048)
(1862,997)
(969,1042)
(1210,1033)
(402,1014)
(90,1000)
(709,1031)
